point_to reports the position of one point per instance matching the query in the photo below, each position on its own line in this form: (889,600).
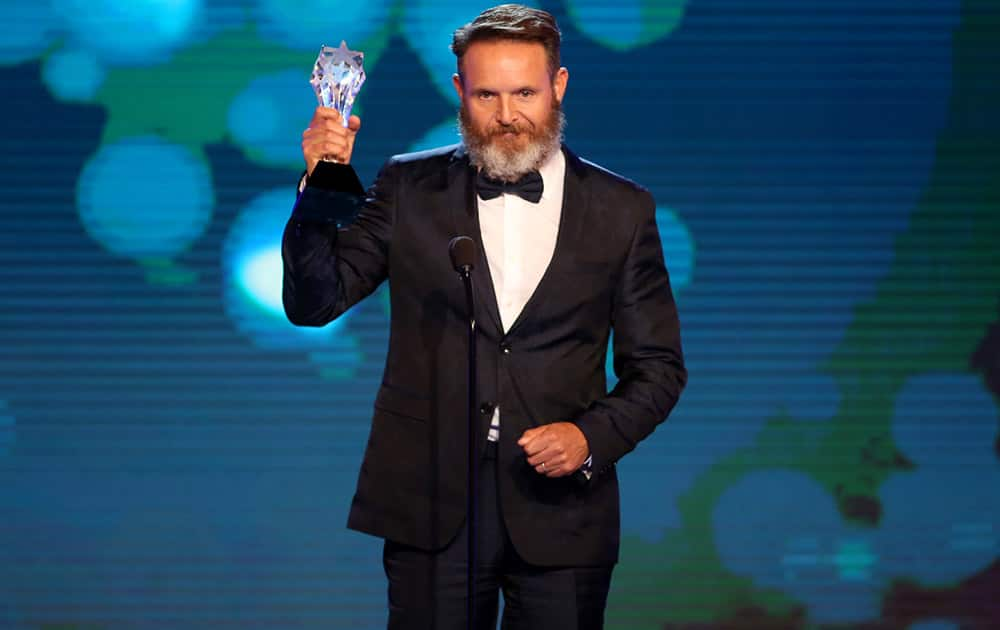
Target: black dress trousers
(427,590)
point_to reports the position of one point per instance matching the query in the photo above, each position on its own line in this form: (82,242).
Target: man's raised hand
(327,138)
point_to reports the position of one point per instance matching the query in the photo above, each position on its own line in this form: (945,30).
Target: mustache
(499,129)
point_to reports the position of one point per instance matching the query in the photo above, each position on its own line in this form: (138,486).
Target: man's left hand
(555,450)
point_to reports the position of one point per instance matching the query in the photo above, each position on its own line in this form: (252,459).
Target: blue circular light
(252,265)
(129,33)
(945,420)
(215,17)
(29,27)
(259,278)
(946,424)
(73,76)
(253,284)
(309,24)
(267,118)
(949,517)
(428,26)
(678,247)
(143,197)
(625,24)
(783,530)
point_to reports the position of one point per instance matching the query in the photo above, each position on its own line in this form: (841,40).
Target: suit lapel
(571,224)
(461,190)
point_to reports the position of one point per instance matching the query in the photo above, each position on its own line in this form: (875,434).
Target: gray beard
(499,164)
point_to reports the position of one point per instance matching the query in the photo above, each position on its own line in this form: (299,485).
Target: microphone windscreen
(462,250)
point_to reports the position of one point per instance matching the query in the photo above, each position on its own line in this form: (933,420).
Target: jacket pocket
(402,403)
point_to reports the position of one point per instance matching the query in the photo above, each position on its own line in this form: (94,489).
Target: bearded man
(567,253)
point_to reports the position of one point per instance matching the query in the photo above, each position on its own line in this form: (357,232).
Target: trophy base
(337,177)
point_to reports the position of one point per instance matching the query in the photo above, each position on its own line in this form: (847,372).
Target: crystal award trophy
(337,78)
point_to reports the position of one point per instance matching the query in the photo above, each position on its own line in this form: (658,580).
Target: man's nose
(505,111)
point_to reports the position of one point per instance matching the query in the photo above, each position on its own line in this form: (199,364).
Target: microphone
(462,250)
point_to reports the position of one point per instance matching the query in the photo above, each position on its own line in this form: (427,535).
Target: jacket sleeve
(335,248)
(647,351)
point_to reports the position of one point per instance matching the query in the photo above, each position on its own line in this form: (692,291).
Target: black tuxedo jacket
(606,273)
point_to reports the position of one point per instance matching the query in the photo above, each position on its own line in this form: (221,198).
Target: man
(557,270)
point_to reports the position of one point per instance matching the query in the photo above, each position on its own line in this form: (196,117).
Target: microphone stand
(473,468)
(462,251)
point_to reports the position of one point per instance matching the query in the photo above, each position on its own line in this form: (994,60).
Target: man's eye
(486,95)
(527,93)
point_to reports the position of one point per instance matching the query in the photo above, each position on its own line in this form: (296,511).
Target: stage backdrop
(174,454)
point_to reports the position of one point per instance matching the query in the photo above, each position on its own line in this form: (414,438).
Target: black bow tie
(529,187)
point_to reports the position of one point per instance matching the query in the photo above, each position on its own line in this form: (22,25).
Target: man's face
(510,102)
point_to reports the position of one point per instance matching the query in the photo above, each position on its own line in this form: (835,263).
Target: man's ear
(560,82)
(456,80)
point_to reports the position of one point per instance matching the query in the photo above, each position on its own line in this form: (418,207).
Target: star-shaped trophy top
(344,55)
(337,77)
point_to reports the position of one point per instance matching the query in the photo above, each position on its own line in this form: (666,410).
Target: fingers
(553,455)
(554,465)
(531,434)
(327,138)
(554,450)
(552,462)
(329,118)
(535,440)
(327,114)
(545,452)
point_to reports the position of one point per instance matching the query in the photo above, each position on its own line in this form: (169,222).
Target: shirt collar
(553,171)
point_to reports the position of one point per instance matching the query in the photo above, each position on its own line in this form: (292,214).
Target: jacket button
(505,348)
